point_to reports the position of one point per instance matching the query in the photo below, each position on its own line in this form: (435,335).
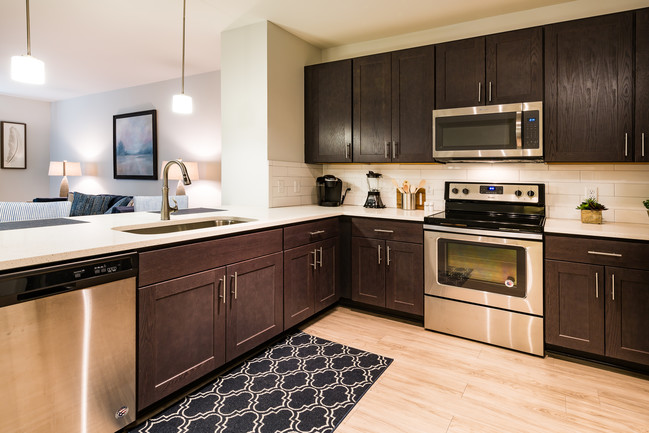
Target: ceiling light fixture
(182,103)
(25,68)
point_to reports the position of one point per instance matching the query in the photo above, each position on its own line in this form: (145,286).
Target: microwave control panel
(531,129)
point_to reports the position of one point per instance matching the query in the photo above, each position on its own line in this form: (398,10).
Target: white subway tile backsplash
(632,190)
(547,176)
(629,176)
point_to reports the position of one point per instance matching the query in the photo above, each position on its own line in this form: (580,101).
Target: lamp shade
(27,69)
(182,104)
(64,168)
(175,174)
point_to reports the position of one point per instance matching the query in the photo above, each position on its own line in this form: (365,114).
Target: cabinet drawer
(388,230)
(174,262)
(302,234)
(625,254)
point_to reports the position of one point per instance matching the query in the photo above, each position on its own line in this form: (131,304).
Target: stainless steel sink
(182,226)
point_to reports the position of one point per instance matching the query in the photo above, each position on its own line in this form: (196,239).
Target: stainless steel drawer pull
(387,150)
(489,91)
(347,150)
(379,251)
(613,287)
(388,256)
(394,150)
(320,262)
(597,284)
(317,232)
(234,292)
(599,253)
(222,281)
(383,231)
(479,91)
(643,144)
(315,259)
(626,144)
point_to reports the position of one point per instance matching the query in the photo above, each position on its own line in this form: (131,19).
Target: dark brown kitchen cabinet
(387,266)
(642,86)
(328,112)
(589,90)
(597,297)
(393,99)
(311,272)
(255,307)
(181,333)
(495,69)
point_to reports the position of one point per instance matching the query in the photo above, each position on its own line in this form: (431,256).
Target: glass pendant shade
(27,69)
(182,104)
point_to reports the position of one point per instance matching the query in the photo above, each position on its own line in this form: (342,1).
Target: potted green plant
(646,205)
(591,211)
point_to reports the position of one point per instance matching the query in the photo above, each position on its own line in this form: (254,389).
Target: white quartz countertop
(42,245)
(606,229)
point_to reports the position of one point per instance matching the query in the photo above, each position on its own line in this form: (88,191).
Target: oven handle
(493,233)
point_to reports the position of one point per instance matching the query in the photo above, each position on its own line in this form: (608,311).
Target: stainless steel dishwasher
(67,347)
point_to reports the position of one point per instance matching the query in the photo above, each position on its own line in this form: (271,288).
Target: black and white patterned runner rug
(301,384)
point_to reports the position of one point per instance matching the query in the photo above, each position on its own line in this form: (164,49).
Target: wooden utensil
(421,185)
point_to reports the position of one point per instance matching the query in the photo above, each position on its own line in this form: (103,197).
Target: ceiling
(92,46)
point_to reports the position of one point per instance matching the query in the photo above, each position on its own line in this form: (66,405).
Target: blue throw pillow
(119,203)
(87,204)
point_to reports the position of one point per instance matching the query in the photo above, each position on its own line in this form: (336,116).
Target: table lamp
(65,169)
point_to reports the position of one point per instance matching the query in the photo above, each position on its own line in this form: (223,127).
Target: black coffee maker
(330,190)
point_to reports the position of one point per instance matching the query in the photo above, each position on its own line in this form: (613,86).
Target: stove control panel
(495,192)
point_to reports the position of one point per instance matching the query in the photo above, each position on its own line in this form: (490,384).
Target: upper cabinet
(328,112)
(496,69)
(589,90)
(393,100)
(642,86)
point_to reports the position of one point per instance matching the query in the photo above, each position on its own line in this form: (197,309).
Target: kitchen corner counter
(606,229)
(42,245)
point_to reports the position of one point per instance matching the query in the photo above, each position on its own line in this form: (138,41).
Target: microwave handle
(519,141)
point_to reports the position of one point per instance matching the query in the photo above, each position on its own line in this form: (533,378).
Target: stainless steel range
(484,264)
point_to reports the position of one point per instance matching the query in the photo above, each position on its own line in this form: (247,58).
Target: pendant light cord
(29,38)
(183,67)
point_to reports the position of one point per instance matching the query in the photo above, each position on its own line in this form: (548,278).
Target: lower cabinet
(388,273)
(597,297)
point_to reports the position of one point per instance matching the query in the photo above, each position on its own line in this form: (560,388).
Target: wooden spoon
(421,185)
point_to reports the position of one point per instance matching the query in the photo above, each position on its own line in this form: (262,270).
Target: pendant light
(25,68)
(182,103)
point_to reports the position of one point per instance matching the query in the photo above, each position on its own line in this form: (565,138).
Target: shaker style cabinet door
(404,285)
(368,271)
(300,267)
(255,304)
(328,112)
(574,305)
(327,286)
(460,73)
(181,333)
(627,314)
(372,111)
(589,90)
(514,67)
(642,86)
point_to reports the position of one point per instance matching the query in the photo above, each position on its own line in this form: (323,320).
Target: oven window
(476,132)
(484,267)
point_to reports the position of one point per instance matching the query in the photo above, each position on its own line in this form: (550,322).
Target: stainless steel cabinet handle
(320,262)
(317,232)
(222,281)
(643,144)
(597,284)
(388,256)
(383,231)
(234,292)
(348,150)
(479,91)
(626,144)
(379,251)
(489,91)
(394,150)
(613,286)
(599,253)
(315,259)
(387,150)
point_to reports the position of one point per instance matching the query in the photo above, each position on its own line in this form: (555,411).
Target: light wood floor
(443,384)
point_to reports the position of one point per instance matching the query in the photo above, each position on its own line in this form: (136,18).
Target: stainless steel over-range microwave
(493,132)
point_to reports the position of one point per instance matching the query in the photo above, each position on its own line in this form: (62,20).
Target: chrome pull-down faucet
(166,209)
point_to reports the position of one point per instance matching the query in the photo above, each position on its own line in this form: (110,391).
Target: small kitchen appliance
(330,190)
(374,194)
(483,266)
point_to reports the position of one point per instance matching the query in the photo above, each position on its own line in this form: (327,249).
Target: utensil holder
(408,201)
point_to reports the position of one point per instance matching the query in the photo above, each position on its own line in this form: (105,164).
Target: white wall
(82,130)
(530,18)
(24,185)
(263,107)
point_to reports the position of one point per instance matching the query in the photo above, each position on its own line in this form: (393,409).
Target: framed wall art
(135,146)
(14,145)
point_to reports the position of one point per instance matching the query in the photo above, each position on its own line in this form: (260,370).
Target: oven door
(485,270)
